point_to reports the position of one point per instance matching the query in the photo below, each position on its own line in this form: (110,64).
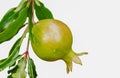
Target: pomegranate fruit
(52,40)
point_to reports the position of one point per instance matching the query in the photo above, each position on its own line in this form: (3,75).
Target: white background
(95,25)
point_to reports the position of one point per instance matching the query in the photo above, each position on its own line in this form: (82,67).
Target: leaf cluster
(10,24)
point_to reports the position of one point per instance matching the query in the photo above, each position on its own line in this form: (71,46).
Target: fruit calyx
(72,56)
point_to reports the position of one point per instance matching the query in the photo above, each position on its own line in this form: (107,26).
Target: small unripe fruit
(52,40)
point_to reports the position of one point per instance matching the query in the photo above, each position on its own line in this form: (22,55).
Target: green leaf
(15,26)
(21,5)
(13,47)
(41,11)
(7,14)
(12,55)
(8,18)
(18,57)
(11,16)
(19,70)
(2,60)
(31,69)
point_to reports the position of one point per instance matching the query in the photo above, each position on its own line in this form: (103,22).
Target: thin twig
(28,42)
(26,53)
(33,11)
(24,33)
(28,1)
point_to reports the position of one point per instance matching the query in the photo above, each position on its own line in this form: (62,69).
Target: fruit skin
(52,40)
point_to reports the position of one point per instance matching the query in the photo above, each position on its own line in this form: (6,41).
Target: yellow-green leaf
(19,70)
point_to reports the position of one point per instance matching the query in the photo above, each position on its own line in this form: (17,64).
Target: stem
(24,34)
(26,53)
(28,42)
(33,11)
(28,1)
(31,18)
(30,24)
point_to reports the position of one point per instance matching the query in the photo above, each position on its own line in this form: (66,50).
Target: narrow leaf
(15,65)
(13,47)
(8,18)
(19,70)
(42,12)
(7,14)
(2,60)
(21,5)
(31,69)
(18,57)
(12,56)
(11,15)
(14,27)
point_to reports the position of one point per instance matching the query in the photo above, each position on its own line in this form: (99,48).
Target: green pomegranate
(52,40)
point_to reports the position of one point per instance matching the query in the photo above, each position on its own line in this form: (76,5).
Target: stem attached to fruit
(30,24)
